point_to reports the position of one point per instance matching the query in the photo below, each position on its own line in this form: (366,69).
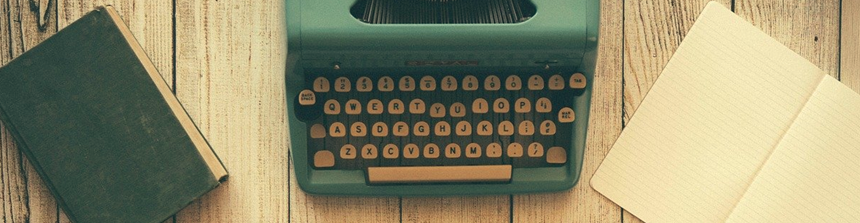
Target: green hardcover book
(102,127)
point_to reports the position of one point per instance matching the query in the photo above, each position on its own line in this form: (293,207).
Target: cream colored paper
(723,106)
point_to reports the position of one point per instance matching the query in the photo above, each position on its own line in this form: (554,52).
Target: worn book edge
(206,152)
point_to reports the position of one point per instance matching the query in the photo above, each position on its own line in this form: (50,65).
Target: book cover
(102,128)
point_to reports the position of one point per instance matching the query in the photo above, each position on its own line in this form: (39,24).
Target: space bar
(439,174)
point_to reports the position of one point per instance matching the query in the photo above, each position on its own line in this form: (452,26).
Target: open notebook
(738,128)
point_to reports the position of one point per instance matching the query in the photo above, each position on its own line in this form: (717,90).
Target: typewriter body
(439,97)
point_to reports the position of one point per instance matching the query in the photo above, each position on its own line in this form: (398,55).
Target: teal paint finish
(323,33)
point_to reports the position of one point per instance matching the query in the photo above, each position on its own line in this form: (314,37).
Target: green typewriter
(439,97)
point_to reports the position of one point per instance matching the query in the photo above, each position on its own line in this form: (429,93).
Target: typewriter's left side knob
(307,106)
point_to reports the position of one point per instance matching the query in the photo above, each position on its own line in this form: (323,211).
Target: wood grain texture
(230,78)
(35,202)
(582,203)
(849,71)
(810,28)
(653,30)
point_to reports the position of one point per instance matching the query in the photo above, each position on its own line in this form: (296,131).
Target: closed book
(102,128)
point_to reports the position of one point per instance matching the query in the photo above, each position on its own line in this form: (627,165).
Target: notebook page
(709,122)
(814,173)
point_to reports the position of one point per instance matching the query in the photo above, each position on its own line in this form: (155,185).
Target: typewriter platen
(439,97)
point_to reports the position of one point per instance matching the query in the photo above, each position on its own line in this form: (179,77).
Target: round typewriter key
(431,151)
(364,84)
(527,128)
(464,128)
(556,82)
(556,155)
(380,129)
(358,129)
(501,106)
(390,151)
(407,83)
(353,107)
(566,115)
(470,83)
(428,83)
(449,83)
(421,129)
(410,151)
(323,159)
(347,152)
(437,110)
(473,150)
(458,110)
(337,129)
(577,81)
(523,105)
(369,151)
(485,128)
(494,150)
(543,105)
(442,128)
(492,83)
(547,128)
(535,82)
(513,83)
(417,106)
(342,84)
(515,150)
(396,107)
(386,84)
(452,150)
(321,85)
(535,150)
(374,107)
(400,129)
(331,107)
(307,97)
(506,128)
(317,131)
(480,106)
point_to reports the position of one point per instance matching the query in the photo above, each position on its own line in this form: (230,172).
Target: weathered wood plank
(13,193)
(150,21)
(849,71)
(230,78)
(456,209)
(582,203)
(810,28)
(30,23)
(653,29)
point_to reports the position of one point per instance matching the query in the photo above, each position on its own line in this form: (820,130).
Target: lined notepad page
(814,173)
(722,104)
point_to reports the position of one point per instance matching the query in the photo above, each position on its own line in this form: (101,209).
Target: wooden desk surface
(225,61)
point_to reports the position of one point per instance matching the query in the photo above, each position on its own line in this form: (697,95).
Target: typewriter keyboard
(439,128)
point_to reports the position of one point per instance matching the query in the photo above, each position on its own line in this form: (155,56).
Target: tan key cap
(439,174)
(364,84)
(473,150)
(347,152)
(535,82)
(513,83)
(463,128)
(332,107)
(421,129)
(577,81)
(442,128)
(431,151)
(400,129)
(396,107)
(547,128)
(385,84)
(337,129)
(543,105)
(369,152)
(380,129)
(407,83)
(321,85)
(506,128)
(566,115)
(307,97)
(458,110)
(323,159)
(375,107)
(535,150)
(353,107)
(515,150)
(342,84)
(480,106)
(527,128)
(492,83)
(556,82)
(452,151)
(470,83)
(556,155)
(410,151)
(485,128)
(417,106)
(437,110)
(317,131)
(428,83)
(523,105)
(358,129)
(449,83)
(390,151)
(494,150)
(501,106)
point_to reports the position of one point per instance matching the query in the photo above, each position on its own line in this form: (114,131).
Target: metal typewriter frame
(363,51)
